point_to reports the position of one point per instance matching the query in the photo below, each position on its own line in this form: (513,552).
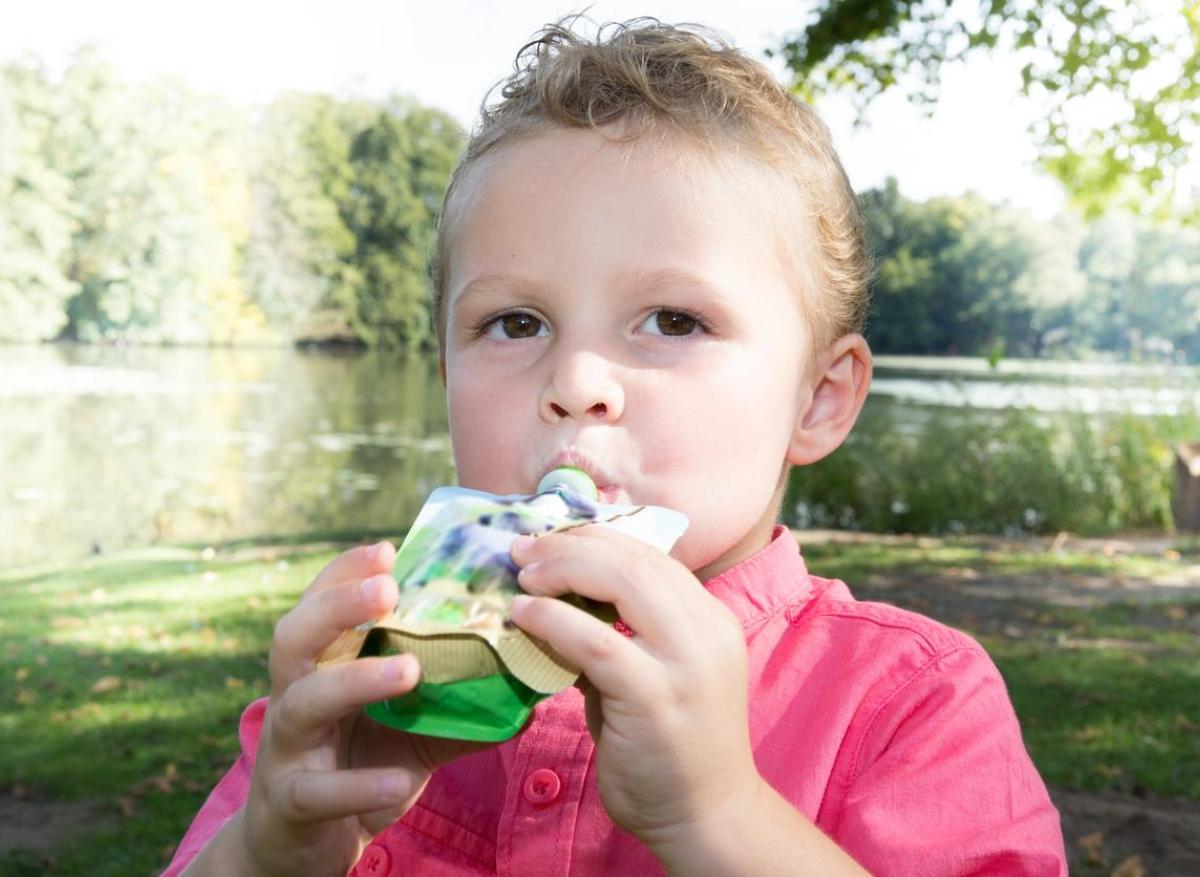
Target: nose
(583,386)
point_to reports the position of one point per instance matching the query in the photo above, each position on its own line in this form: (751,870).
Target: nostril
(558,409)
(599,409)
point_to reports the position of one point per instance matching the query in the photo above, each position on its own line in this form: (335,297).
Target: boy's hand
(667,707)
(326,778)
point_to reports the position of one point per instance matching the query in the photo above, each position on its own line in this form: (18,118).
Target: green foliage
(36,216)
(1013,473)
(1072,52)
(147,213)
(959,275)
(401,162)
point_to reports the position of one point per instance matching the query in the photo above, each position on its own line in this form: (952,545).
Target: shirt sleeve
(228,796)
(943,785)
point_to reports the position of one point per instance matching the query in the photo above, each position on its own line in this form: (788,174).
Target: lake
(104,448)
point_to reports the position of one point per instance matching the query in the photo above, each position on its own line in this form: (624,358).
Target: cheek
(484,432)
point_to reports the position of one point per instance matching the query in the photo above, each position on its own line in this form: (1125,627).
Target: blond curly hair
(641,76)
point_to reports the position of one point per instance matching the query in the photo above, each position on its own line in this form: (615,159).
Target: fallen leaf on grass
(1177,613)
(105,683)
(126,806)
(25,697)
(1091,844)
(1180,722)
(233,682)
(22,674)
(1131,867)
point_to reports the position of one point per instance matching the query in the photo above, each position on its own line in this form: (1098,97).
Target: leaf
(1091,844)
(1130,867)
(105,684)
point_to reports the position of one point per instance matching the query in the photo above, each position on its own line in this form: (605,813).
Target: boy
(651,267)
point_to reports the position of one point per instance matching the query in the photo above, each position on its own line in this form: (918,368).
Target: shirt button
(375,861)
(542,787)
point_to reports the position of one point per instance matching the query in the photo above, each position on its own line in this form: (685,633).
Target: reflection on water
(102,449)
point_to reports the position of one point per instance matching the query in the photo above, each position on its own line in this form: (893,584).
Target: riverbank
(123,677)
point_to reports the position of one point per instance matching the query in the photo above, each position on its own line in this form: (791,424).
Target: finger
(354,565)
(303,714)
(654,594)
(611,662)
(319,796)
(304,632)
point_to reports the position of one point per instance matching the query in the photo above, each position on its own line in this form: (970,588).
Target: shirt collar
(765,582)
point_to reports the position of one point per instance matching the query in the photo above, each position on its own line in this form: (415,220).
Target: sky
(448,53)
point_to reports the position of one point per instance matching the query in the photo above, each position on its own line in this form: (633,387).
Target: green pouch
(481,676)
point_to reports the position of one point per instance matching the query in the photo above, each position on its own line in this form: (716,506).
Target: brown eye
(516,325)
(674,323)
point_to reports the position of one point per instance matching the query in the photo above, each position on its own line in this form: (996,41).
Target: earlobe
(838,393)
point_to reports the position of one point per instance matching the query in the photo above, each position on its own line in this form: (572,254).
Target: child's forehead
(566,175)
(674,158)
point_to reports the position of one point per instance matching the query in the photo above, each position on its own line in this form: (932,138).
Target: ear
(442,365)
(838,390)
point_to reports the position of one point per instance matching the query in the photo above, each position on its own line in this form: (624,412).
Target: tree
(1072,51)
(959,275)
(159,191)
(36,216)
(402,161)
(300,257)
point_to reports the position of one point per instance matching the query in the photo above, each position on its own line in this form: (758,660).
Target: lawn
(122,678)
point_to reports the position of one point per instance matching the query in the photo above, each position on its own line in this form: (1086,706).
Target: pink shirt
(893,733)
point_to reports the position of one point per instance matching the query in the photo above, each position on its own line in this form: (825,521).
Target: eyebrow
(495,282)
(638,279)
(660,278)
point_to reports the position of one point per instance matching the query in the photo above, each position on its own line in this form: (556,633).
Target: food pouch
(481,675)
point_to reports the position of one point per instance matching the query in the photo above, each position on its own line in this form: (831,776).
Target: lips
(607,486)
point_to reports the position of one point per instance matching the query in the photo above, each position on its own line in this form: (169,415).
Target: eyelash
(702,325)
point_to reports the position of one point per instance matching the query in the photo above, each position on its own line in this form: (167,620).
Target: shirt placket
(541,808)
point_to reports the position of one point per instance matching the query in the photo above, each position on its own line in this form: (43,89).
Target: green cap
(571,478)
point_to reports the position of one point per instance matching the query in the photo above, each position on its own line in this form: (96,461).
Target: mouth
(608,491)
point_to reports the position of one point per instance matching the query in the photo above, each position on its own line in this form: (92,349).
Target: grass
(1108,695)
(122,679)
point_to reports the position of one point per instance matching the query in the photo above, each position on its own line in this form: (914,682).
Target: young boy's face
(625,308)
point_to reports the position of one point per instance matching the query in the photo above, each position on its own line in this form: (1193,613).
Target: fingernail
(394,668)
(518,603)
(522,543)
(390,788)
(527,570)
(370,589)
